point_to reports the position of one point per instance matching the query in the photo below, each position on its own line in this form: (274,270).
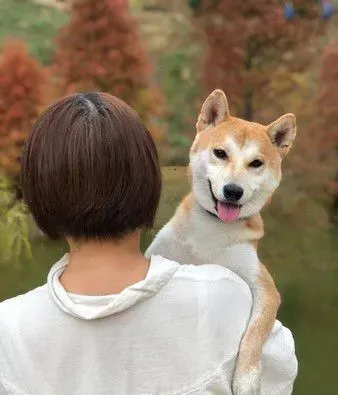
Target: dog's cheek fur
(264,188)
(199,165)
(219,175)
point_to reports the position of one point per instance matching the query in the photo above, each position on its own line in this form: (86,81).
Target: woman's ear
(215,110)
(282,133)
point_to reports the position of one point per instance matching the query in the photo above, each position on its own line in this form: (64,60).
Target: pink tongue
(227,212)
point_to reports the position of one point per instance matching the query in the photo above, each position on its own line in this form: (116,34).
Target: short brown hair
(90,169)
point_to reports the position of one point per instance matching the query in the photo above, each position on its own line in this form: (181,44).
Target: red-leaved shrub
(327,115)
(246,41)
(22,93)
(100,49)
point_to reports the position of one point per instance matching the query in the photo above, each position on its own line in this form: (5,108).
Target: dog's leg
(266,300)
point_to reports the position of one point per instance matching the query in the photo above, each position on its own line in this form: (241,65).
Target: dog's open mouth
(226,211)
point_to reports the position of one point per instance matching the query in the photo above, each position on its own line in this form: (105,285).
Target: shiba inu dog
(235,166)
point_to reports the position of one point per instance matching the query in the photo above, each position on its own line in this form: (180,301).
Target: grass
(34,23)
(301,254)
(304,261)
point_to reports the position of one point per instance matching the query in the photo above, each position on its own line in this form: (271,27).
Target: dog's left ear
(282,133)
(215,110)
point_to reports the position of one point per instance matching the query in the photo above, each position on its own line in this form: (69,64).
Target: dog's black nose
(232,192)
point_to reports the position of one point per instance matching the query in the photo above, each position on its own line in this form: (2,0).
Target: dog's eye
(220,153)
(256,163)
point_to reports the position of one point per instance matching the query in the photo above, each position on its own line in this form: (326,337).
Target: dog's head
(236,164)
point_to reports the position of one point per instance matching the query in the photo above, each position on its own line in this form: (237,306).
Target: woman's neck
(104,267)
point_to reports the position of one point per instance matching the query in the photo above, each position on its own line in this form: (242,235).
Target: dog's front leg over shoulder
(166,245)
(266,301)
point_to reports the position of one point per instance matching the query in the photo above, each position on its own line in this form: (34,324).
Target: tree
(22,94)
(168,29)
(100,49)
(246,40)
(327,115)
(14,240)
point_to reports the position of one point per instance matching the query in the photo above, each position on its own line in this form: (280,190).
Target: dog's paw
(247,383)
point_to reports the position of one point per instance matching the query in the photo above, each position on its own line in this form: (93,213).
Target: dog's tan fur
(185,237)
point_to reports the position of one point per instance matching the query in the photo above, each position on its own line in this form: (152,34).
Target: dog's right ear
(214,110)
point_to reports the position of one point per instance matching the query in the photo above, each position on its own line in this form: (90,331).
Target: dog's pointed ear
(282,133)
(215,110)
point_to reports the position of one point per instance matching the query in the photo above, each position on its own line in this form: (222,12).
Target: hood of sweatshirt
(160,271)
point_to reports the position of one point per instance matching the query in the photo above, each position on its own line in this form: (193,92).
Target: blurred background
(164,57)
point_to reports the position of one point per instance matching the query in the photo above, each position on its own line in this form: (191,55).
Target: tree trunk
(248,107)
(334,207)
(248,95)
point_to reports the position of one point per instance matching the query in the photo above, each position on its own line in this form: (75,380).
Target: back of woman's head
(90,169)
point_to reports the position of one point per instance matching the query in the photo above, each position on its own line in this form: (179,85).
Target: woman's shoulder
(209,281)
(21,304)
(208,305)
(210,273)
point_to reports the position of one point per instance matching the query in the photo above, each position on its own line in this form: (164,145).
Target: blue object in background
(289,11)
(328,9)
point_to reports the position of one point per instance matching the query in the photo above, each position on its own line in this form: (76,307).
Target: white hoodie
(176,332)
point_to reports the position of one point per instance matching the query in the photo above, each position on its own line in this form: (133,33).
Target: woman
(108,321)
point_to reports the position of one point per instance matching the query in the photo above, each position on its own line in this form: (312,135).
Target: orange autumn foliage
(328,97)
(22,89)
(327,115)
(246,41)
(99,49)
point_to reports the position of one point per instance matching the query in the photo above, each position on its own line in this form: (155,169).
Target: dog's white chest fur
(199,238)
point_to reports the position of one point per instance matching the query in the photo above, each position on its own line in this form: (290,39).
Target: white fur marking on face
(250,150)
(241,155)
